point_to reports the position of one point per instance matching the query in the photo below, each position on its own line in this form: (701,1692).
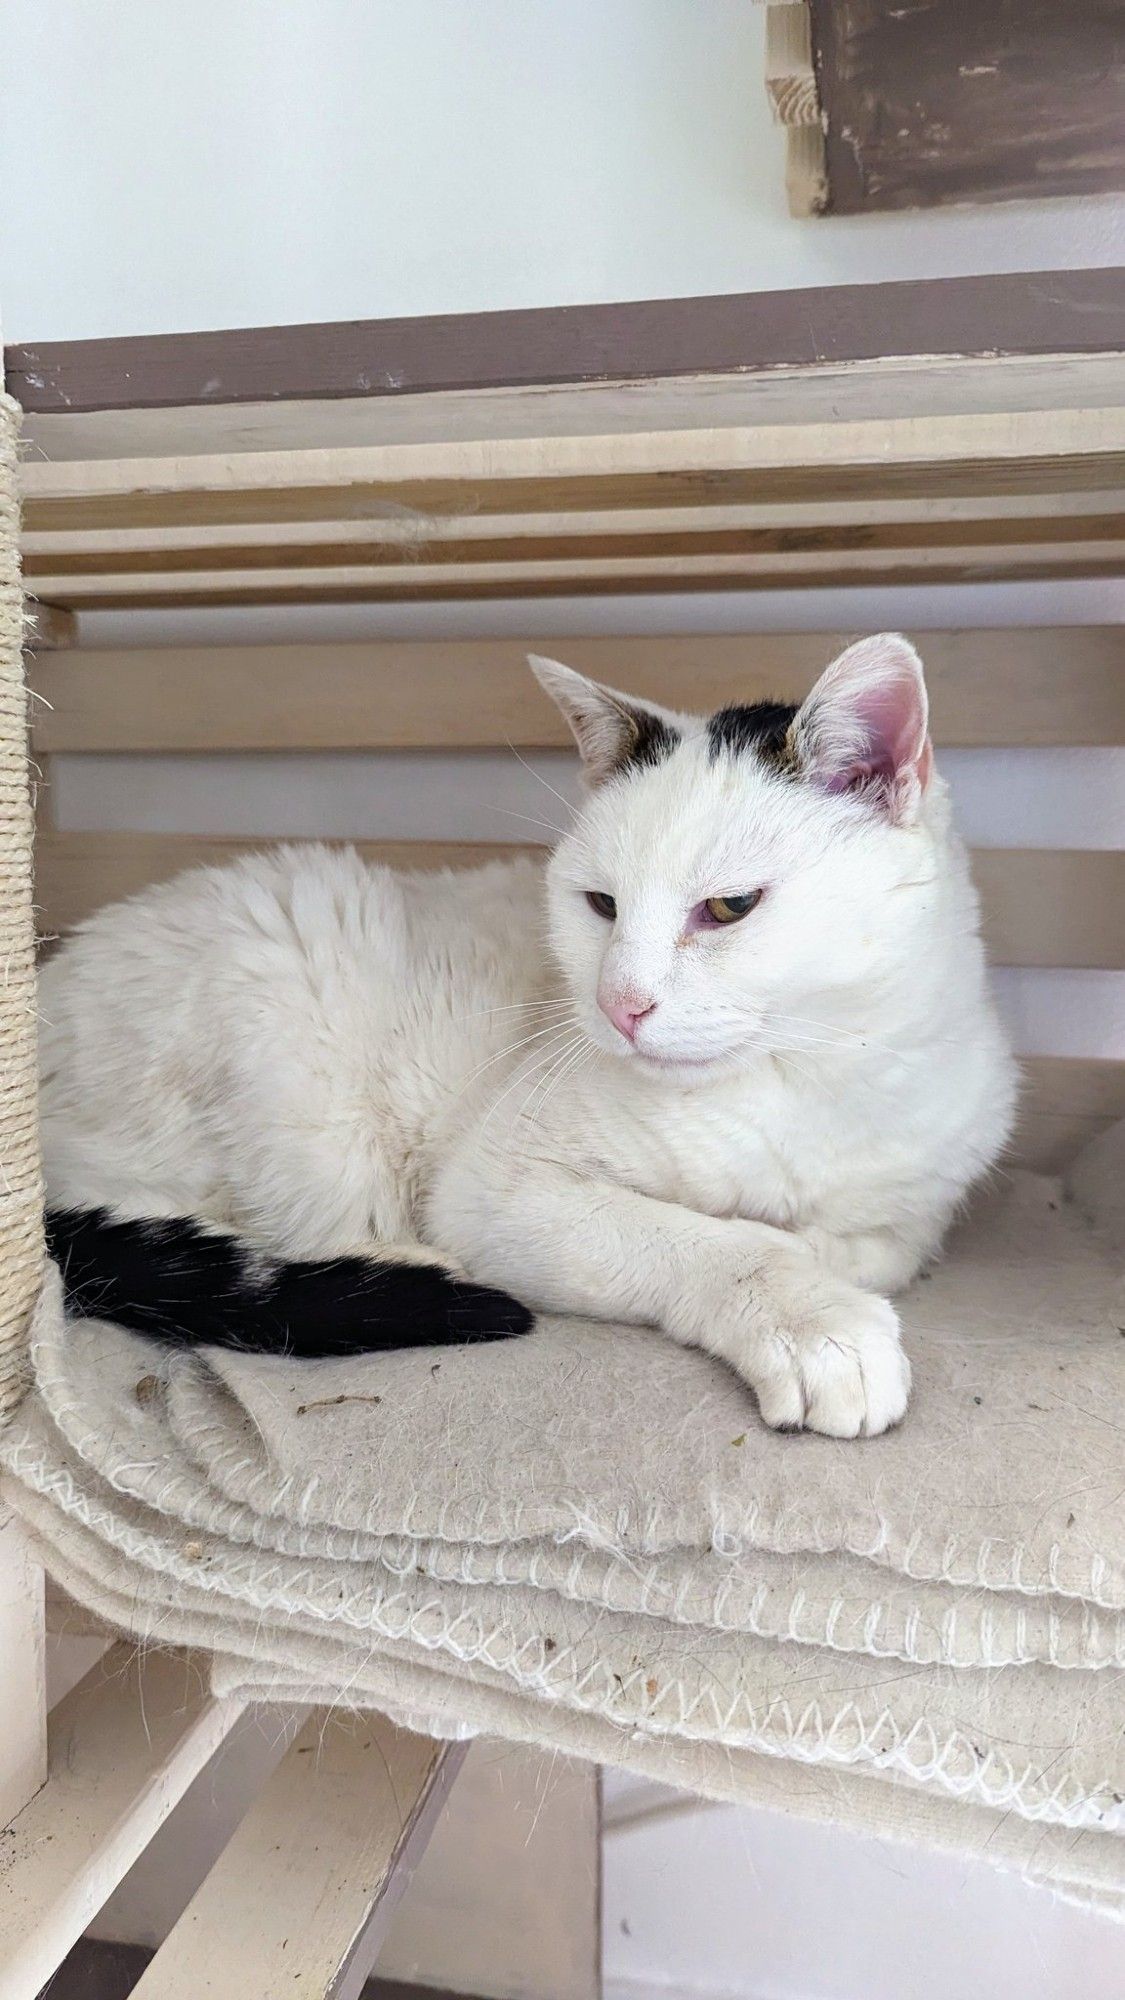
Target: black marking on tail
(761,727)
(174,1281)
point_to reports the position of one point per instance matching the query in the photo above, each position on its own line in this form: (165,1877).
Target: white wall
(247,162)
(726,1904)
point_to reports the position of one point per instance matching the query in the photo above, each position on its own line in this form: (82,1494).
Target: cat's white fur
(327,1057)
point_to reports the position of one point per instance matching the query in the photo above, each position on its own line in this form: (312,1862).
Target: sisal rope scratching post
(21,1191)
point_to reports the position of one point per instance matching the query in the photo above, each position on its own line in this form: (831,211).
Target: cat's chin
(686,1068)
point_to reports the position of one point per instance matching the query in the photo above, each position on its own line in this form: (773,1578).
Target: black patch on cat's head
(649,740)
(758,728)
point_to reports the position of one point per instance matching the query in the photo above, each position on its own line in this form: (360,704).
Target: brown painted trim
(1027,313)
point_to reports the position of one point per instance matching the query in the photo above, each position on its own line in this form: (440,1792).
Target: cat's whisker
(551,1080)
(802,1038)
(529,819)
(512,1048)
(564,803)
(863,1038)
(584,1050)
(544,1083)
(787,1061)
(822,1027)
(525,1071)
(512,1007)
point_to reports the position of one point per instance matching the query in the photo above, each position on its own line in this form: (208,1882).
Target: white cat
(726,1067)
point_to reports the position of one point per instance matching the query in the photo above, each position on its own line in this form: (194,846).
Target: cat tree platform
(922,1633)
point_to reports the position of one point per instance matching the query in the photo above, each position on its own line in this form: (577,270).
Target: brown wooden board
(1022,531)
(1038,312)
(1040,906)
(1030,688)
(936,101)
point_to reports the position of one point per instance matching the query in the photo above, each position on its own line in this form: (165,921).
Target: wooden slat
(1025,537)
(78,872)
(23,1737)
(825,391)
(1042,907)
(438,583)
(394,360)
(297,1902)
(972,517)
(1053,907)
(1040,451)
(988,689)
(123,1747)
(1067,1101)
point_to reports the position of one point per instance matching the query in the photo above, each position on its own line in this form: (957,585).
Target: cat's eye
(729,909)
(603,904)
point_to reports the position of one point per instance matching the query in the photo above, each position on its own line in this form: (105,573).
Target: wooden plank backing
(865,388)
(1053,907)
(1067,1101)
(810,524)
(1044,907)
(123,1747)
(545,538)
(416,581)
(77,872)
(1041,906)
(1062,450)
(991,689)
(297,1902)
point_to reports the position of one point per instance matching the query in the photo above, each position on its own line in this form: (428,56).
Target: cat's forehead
(759,730)
(709,787)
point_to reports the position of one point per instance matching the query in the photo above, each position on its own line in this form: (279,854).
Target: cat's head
(750,881)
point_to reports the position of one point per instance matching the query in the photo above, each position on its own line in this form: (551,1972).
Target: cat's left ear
(864,727)
(612,730)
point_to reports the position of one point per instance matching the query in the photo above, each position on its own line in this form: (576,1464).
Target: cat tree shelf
(956,431)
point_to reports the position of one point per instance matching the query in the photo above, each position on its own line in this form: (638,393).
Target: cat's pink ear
(611,730)
(864,726)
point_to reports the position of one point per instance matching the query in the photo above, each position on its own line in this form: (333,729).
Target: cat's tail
(175,1280)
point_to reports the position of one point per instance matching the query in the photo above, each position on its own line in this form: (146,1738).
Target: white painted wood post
(23,1733)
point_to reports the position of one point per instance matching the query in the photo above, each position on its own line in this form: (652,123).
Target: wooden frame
(741,333)
(1074,454)
(307,1883)
(124,1746)
(963,429)
(924,105)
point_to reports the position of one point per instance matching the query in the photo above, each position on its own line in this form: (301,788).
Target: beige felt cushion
(587,1538)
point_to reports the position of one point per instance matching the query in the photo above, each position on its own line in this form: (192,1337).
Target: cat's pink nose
(625,1013)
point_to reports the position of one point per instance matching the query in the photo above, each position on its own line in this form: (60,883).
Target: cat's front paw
(836,1365)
